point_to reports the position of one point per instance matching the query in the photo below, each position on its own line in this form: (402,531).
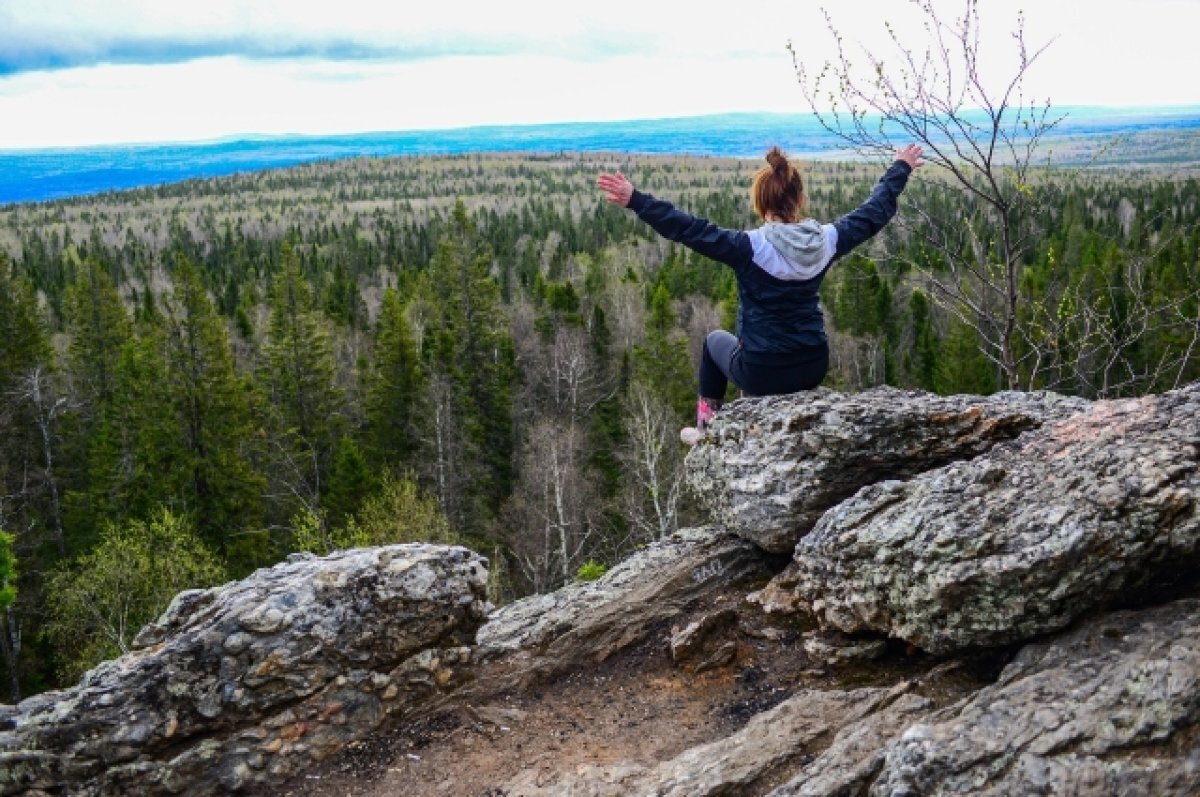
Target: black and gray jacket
(779,267)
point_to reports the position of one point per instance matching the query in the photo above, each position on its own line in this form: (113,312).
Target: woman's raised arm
(731,247)
(873,215)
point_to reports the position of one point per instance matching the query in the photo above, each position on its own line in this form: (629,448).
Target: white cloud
(515,62)
(212,98)
(81,32)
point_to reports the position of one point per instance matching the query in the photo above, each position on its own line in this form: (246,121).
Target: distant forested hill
(1087,135)
(213,374)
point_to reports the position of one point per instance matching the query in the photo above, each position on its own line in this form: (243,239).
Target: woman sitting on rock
(781,345)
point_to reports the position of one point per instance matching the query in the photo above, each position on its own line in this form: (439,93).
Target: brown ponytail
(778,188)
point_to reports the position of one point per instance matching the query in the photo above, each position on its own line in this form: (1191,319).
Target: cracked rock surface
(965,526)
(770,467)
(1111,708)
(588,622)
(1019,541)
(736,764)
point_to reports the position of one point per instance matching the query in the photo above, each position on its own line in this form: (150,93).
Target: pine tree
(99,327)
(25,355)
(27,505)
(963,367)
(211,403)
(350,482)
(924,356)
(136,456)
(23,338)
(299,375)
(469,346)
(397,396)
(662,362)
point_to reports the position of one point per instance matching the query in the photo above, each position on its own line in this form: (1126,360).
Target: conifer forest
(202,378)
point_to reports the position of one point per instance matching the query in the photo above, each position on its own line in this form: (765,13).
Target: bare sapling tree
(1104,326)
(553,515)
(37,391)
(983,134)
(654,463)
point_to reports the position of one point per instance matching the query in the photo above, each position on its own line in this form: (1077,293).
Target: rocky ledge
(253,681)
(1111,708)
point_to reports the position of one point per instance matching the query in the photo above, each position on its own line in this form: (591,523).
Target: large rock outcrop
(953,523)
(253,681)
(770,467)
(1019,541)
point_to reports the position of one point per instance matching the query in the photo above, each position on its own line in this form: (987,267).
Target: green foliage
(310,533)
(964,367)
(101,600)
(591,570)
(663,364)
(397,513)
(470,346)
(8,572)
(923,362)
(23,338)
(99,327)
(350,481)
(299,368)
(862,302)
(662,315)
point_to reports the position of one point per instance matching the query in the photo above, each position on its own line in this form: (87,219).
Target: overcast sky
(104,71)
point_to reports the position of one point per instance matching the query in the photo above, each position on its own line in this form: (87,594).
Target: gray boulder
(1019,541)
(587,622)
(250,682)
(770,467)
(1111,708)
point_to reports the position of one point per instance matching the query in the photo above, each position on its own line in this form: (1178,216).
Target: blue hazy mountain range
(41,174)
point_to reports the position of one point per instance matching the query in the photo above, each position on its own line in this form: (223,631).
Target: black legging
(722,363)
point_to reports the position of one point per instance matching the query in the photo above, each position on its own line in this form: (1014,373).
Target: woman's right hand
(616,187)
(911,155)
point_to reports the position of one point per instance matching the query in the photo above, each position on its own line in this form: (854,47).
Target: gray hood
(802,243)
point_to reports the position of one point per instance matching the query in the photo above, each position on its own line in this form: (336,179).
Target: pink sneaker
(705,412)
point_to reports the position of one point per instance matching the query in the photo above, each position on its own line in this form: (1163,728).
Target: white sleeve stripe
(831,239)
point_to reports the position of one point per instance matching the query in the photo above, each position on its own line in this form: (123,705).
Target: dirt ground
(636,706)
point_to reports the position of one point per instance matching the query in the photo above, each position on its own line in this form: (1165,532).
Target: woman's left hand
(911,155)
(616,187)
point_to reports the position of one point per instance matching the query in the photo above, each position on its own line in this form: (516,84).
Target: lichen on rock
(1019,541)
(770,467)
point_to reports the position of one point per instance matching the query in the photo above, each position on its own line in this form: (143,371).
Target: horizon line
(251,136)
